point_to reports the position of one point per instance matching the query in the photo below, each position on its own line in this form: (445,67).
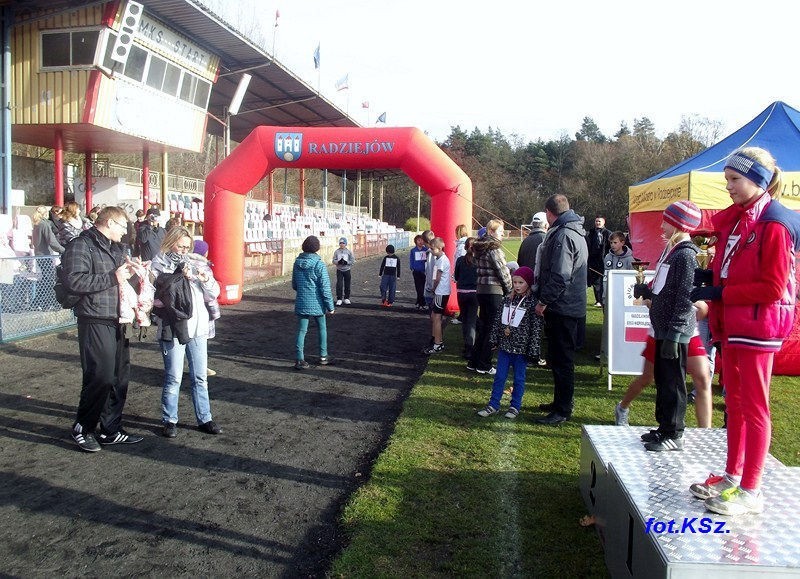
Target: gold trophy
(640,267)
(702,256)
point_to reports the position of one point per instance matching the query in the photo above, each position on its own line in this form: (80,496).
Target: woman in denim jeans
(184,337)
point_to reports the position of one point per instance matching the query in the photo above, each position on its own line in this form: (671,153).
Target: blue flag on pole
(316,58)
(382,118)
(343,83)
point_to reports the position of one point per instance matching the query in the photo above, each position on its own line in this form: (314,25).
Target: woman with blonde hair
(751,292)
(43,239)
(493,284)
(180,277)
(461,238)
(45,245)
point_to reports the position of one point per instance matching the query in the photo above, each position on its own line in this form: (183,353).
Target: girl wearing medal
(672,317)
(515,331)
(751,292)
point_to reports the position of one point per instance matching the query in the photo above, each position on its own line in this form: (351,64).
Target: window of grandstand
(69,48)
(152,70)
(134,66)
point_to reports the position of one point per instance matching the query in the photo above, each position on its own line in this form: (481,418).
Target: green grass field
(454,494)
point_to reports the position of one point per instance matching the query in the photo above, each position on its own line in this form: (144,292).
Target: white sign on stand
(626,324)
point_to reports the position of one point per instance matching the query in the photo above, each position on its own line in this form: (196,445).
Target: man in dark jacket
(95,265)
(527,250)
(562,301)
(149,236)
(598,246)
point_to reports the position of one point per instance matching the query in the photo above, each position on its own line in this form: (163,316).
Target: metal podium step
(650,525)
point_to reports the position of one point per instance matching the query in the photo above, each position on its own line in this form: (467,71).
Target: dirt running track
(261,499)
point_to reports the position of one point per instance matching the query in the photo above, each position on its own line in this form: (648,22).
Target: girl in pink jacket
(751,290)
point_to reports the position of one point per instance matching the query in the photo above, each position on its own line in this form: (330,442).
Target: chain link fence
(28,304)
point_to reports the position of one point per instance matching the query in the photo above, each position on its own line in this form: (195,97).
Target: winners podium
(650,525)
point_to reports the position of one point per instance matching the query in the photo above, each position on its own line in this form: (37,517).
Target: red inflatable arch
(268,148)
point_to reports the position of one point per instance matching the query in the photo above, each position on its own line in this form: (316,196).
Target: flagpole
(318,66)
(275,33)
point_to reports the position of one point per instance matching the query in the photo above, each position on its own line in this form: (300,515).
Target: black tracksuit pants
(562,342)
(106,364)
(670,379)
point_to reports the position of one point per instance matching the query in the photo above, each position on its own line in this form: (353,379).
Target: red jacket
(757,306)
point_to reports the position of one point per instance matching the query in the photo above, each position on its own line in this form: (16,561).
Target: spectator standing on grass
(461,238)
(428,236)
(751,292)
(528,249)
(515,332)
(179,337)
(494,283)
(313,286)
(417,259)
(389,273)
(561,301)
(466,277)
(344,259)
(95,265)
(441,293)
(598,246)
(535,289)
(673,319)
(619,256)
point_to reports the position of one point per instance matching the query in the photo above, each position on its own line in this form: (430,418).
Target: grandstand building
(155,77)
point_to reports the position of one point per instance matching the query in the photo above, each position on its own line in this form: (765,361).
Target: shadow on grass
(424,522)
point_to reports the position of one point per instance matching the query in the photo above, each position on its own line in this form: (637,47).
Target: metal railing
(28,304)
(134,176)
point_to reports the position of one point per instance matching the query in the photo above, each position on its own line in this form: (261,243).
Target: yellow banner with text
(706,190)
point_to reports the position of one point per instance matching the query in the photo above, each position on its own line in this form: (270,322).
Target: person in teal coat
(313,286)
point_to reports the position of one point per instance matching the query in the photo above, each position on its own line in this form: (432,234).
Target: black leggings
(419,285)
(489,305)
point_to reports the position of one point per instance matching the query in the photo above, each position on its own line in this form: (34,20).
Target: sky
(536,68)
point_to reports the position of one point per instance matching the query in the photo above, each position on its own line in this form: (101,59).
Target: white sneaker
(512,413)
(712,486)
(338,302)
(736,501)
(491,371)
(347,302)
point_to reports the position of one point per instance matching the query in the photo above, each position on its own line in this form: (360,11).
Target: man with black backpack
(94,266)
